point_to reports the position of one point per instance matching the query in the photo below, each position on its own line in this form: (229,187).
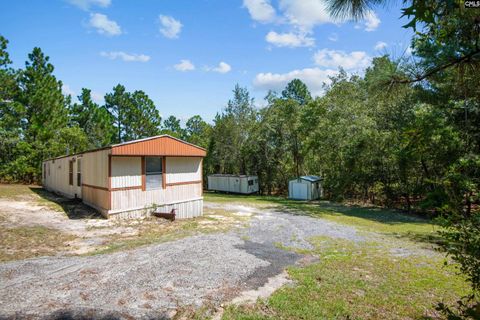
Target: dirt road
(157,280)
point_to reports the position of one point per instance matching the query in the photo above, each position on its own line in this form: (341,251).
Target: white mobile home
(233,183)
(305,188)
(131,179)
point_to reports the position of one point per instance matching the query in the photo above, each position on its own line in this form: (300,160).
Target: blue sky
(188,55)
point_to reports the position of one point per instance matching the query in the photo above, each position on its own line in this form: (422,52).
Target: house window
(70,172)
(48,169)
(250,182)
(44,170)
(79,172)
(153,173)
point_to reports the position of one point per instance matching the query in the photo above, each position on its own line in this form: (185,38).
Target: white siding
(95,168)
(183,192)
(187,209)
(233,183)
(126,172)
(57,177)
(183,169)
(137,199)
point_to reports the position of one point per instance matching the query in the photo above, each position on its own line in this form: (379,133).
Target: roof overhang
(163,145)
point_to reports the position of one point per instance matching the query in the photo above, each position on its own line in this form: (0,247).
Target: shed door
(300,191)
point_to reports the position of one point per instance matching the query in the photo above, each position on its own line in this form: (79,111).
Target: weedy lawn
(35,222)
(373,279)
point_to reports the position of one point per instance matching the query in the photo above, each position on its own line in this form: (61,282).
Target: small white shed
(233,183)
(305,188)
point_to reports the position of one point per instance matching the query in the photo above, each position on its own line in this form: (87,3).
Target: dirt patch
(83,235)
(85,231)
(273,283)
(26,242)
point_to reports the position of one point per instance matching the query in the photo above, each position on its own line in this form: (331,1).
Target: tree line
(408,146)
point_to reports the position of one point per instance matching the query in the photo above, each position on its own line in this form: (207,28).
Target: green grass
(16,191)
(239,198)
(359,281)
(364,218)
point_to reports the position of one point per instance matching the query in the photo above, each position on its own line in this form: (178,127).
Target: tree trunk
(407,199)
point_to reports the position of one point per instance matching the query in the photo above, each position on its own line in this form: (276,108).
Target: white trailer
(233,183)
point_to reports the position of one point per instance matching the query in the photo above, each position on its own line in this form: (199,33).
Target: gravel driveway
(154,281)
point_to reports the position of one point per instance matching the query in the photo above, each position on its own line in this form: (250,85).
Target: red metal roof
(162,145)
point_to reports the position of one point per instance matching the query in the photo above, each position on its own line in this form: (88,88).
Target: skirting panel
(184,210)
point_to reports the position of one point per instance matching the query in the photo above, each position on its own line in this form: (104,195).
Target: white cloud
(380,45)
(222,67)
(314,78)
(104,25)
(301,16)
(184,65)
(170,27)
(355,60)
(289,39)
(260,10)
(333,37)
(86,4)
(66,90)
(371,21)
(306,14)
(113,55)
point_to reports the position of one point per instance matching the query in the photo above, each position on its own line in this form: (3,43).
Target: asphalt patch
(278,258)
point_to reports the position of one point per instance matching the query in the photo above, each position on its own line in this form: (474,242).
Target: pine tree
(143,117)
(172,126)
(95,120)
(45,111)
(117,104)
(11,116)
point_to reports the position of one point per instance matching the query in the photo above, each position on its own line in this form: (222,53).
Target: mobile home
(233,183)
(131,179)
(305,188)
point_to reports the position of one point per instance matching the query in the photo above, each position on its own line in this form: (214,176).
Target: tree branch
(438,69)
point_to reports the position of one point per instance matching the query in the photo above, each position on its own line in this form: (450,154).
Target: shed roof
(311,178)
(231,175)
(161,145)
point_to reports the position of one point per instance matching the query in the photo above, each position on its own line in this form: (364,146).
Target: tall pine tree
(46,111)
(93,119)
